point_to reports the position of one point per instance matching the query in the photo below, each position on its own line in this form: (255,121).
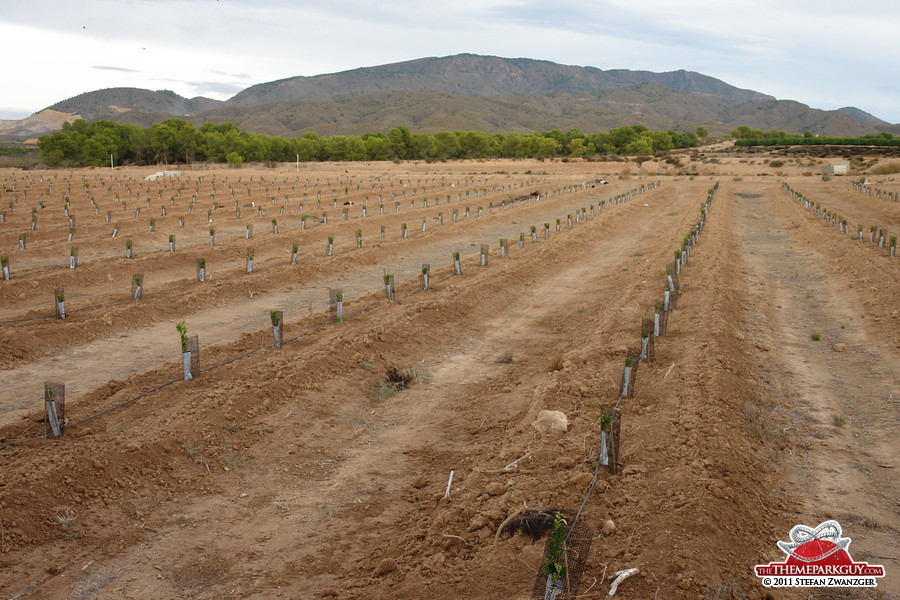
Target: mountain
(474,75)
(30,128)
(425,111)
(464,92)
(110,103)
(862,115)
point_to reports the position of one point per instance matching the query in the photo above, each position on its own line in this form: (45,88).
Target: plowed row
(290,473)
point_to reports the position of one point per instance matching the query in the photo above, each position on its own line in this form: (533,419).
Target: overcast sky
(824,53)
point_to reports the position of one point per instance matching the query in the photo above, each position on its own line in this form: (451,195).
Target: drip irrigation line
(597,465)
(224,278)
(244,355)
(139,396)
(168,383)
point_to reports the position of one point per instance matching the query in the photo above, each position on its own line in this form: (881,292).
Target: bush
(235,160)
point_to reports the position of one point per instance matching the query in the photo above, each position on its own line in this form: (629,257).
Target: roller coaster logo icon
(818,558)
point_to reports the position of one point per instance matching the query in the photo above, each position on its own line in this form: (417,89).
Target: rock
(685,584)
(495,489)
(385,566)
(564,462)
(477,522)
(839,347)
(551,421)
(609,527)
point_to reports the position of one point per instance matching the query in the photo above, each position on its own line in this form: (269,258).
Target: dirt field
(299,473)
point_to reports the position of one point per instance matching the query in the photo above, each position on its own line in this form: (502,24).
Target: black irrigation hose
(597,465)
(244,355)
(110,303)
(168,383)
(159,387)
(224,278)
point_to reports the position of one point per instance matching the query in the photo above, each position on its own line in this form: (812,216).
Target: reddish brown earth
(289,473)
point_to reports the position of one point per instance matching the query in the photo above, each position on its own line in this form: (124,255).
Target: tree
(576,147)
(642,145)
(378,147)
(621,137)
(661,141)
(235,160)
(402,145)
(447,144)
(702,132)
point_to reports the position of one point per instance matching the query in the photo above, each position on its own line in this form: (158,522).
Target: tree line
(177,141)
(756,137)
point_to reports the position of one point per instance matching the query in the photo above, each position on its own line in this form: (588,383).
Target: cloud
(119,69)
(212,89)
(807,52)
(233,75)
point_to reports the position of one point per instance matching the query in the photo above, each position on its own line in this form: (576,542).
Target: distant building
(836,169)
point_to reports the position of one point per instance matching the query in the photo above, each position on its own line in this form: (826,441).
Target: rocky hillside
(466,92)
(110,103)
(473,75)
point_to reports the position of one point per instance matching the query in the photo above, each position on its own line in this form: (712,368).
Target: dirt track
(288,474)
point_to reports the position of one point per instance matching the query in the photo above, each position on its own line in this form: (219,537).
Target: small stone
(495,489)
(685,584)
(477,522)
(839,347)
(551,421)
(609,527)
(385,566)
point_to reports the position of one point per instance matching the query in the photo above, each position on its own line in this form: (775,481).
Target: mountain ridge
(464,92)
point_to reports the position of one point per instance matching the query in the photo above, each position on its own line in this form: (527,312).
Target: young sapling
(555,560)
(388,286)
(276,317)
(181,327)
(60,304)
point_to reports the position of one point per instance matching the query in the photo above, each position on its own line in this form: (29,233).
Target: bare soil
(298,473)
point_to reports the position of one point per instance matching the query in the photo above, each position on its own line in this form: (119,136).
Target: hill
(473,75)
(465,92)
(108,103)
(424,111)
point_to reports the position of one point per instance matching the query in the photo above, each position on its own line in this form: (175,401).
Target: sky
(823,53)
